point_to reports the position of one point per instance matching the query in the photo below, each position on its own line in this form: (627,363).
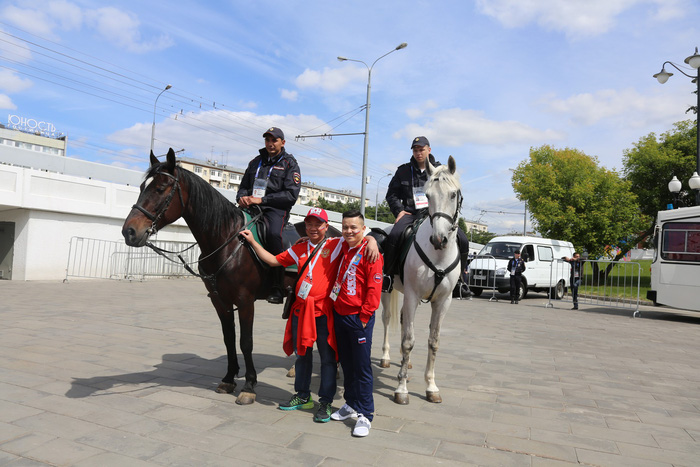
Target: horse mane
(441,174)
(214,210)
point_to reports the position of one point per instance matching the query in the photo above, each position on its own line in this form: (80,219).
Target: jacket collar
(266,157)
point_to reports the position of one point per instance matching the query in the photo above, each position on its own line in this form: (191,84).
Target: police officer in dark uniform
(272,181)
(406,197)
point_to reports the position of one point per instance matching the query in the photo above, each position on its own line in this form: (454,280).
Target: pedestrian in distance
(515,268)
(575,278)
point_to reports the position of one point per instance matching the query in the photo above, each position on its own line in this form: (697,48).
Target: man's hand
(372,249)
(248,235)
(401,214)
(301,239)
(246,201)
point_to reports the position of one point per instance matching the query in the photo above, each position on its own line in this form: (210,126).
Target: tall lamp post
(403,45)
(153,128)
(376,196)
(662,77)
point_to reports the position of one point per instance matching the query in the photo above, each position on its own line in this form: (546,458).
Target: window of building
(197,169)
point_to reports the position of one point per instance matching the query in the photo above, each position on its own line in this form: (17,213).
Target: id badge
(419,198)
(335,291)
(259,187)
(304,289)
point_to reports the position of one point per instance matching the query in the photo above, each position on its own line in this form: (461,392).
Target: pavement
(117,373)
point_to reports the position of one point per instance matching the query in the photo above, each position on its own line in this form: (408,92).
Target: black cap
(274,132)
(420,141)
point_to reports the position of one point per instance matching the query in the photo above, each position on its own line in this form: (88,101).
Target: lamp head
(403,45)
(341,59)
(674,186)
(694,60)
(168,87)
(694,181)
(663,76)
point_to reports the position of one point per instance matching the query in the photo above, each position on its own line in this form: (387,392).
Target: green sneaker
(297,402)
(323,414)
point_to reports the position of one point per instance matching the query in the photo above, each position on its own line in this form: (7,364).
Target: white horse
(431,272)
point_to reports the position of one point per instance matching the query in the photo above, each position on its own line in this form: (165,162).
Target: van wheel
(557,292)
(476,291)
(522,293)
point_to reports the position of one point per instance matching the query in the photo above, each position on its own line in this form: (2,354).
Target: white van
(489,267)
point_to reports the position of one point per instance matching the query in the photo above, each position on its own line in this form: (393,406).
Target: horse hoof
(384,363)
(433,397)
(225,388)
(245,398)
(291,373)
(401,398)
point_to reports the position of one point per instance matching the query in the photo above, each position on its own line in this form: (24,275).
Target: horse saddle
(402,245)
(256,224)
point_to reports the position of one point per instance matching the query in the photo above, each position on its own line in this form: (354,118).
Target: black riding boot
(463,286)
(277,286)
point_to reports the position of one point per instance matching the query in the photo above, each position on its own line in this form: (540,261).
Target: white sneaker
(344,413)
(362,427)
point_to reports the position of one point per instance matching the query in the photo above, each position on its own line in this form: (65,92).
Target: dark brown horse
(229,271)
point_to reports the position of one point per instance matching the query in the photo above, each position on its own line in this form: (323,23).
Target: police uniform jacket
(283,184)
(518,269)
(399,196)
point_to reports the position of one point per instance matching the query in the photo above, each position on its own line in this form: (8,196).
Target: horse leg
(246,312)
(432,393)
(386,318)
(228,326)
(408,340)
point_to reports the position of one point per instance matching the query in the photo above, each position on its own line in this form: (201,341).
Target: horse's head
(444,201)
(160,203)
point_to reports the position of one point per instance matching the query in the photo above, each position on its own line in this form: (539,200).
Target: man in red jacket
(356,293)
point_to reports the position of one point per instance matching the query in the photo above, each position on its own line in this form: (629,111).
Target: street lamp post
(369,89)
(674,186)
(153,127)
(376,196)
(662,77)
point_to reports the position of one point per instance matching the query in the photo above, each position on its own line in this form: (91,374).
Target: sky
(484,80)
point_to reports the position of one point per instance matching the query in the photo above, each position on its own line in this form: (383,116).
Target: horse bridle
(454,218)
(154,218)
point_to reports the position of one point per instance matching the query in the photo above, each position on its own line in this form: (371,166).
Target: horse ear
(171,160)
(154,159)
(429,168)
(451,165)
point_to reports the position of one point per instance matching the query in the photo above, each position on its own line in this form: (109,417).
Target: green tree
(571,198)
(653,162)
(384,214)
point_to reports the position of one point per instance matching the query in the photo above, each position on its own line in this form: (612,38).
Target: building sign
(30,125)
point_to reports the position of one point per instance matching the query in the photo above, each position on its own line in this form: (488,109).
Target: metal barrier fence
(482,274)
(604,283)
(103,259)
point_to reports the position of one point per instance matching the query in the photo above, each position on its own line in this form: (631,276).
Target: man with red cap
(311,319)
(272,181)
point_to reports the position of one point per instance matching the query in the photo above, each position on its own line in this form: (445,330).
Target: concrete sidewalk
(108,373)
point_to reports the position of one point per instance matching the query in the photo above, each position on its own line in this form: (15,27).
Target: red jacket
(361,286)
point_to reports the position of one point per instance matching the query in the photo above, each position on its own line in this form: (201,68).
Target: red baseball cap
(318,213)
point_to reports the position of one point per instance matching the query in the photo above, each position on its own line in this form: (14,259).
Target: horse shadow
(182,370)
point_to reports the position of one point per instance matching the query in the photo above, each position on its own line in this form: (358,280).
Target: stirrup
(387,283)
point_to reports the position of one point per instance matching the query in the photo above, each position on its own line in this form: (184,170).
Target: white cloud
(6,102)
(11,82)
(122,29)
(575,18)
(289,95)
(456,127)
(118,27)
(331,79)
(626,106)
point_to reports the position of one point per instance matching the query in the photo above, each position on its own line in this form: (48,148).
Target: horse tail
(394,310)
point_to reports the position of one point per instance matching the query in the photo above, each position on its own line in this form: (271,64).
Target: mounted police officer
(272,181)
(407,201)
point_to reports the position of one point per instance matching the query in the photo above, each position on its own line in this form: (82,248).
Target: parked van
(488,269)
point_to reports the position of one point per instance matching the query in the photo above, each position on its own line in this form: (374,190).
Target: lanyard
(308,253)
(413,178)
(354,259)
(257,172)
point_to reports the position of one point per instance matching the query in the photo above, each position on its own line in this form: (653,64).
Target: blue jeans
(305,363)
(574,291)
(354,352)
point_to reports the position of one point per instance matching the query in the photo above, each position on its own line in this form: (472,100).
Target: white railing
(103,259)
(483,275)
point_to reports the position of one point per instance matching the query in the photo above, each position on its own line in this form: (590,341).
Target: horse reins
(453,219)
